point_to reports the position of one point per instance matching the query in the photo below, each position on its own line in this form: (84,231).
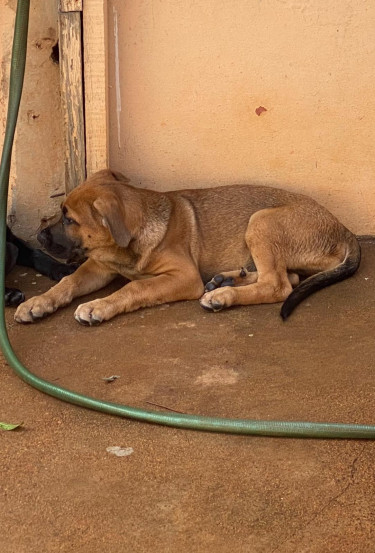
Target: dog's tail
(325,278)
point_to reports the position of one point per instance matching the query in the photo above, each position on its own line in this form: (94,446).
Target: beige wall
(37,163)
(186,79)
(191,74)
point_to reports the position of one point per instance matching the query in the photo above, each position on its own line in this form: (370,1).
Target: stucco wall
(37,163)
(190,76)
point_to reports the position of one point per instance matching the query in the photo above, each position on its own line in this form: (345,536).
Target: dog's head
(94,217)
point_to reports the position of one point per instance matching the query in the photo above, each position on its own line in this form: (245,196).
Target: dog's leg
(242,277)
(88,277)
(271,287)
(273,283)
(174,286)
(232,278)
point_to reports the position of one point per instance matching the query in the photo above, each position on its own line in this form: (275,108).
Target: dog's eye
(68,221)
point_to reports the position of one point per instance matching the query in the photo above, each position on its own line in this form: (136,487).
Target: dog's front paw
(13,297)
(218,299)
(34,309)
(92,313)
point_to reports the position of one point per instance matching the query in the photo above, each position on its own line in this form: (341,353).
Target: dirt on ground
(77,480)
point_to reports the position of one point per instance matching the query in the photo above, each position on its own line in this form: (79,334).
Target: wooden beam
(96,84)
(70,53)
(70,5)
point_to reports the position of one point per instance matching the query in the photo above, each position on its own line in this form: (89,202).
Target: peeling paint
(37,162)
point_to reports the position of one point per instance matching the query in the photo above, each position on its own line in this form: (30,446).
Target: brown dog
(168,244)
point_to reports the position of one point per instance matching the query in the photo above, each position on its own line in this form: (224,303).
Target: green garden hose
(254,427)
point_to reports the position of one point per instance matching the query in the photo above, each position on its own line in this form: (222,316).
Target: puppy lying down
(232,245)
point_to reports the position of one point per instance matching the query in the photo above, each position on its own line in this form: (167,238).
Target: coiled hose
(254,427)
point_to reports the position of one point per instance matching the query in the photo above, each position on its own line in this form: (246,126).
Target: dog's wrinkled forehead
(78,204)
(69,214)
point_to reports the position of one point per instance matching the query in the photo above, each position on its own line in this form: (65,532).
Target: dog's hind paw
(216,300)
(218,281)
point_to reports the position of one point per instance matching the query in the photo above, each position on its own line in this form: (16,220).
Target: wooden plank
(96,84)
(70,5)
(70,44)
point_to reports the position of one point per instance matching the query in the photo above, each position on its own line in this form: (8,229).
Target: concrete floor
(177,490)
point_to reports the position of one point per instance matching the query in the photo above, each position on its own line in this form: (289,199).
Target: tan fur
(169,244)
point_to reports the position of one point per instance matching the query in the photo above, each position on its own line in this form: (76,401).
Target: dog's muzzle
(57,243)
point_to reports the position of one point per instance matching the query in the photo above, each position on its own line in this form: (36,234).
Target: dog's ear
(112,216)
